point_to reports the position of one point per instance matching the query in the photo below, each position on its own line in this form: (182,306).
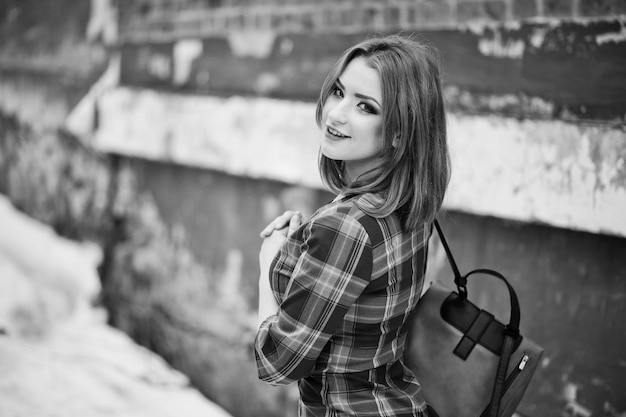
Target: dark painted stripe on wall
(566,70)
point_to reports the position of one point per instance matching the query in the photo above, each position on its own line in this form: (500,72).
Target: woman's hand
(274,235)
(290,218)
(269,248)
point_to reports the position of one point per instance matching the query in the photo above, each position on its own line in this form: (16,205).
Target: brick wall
(180,18)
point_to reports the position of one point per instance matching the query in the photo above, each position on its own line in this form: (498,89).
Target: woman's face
(352,121)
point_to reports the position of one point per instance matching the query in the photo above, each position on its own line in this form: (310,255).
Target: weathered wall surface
(512,58)
(549,171)
(536,94)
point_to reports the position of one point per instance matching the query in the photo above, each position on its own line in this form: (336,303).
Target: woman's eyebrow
(358,95)
(367,98)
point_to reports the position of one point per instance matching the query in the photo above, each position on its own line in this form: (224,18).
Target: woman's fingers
(279,222)
(294,222)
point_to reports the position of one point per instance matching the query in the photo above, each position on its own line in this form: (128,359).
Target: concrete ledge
(552,172)
(258,138)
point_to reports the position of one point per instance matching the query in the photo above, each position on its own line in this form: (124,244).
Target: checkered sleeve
(333,269)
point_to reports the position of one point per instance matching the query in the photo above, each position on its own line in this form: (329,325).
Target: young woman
(336,291)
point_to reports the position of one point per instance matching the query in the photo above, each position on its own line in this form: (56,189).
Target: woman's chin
(330,154)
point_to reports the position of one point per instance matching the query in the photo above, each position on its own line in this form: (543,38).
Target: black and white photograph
(312,208)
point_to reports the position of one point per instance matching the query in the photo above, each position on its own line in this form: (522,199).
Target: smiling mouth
(336,133)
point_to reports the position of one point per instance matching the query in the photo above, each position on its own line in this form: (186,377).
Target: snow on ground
(57,355)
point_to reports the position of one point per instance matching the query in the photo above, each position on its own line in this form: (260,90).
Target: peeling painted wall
(553,172)
(258,138)
(571,70)
(184,18)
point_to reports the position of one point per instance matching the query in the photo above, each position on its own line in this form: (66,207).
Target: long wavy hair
(415,169)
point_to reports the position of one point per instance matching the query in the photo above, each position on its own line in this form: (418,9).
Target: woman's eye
(337,92)
(366,108)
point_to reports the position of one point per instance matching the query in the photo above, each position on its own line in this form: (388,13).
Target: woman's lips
(334,133)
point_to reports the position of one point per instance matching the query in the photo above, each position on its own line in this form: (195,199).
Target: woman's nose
(337,113)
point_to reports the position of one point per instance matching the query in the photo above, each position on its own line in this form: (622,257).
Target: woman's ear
(396,141)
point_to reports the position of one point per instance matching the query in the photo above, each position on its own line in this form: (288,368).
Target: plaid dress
(346,284)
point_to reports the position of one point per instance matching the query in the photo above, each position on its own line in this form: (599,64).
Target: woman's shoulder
(346,214)
(342,210)
(349,207)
